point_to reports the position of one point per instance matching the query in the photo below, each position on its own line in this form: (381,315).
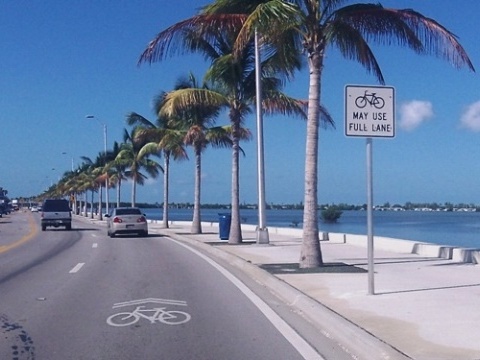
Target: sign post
(370,112)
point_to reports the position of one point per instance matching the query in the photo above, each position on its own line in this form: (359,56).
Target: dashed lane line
(76,268)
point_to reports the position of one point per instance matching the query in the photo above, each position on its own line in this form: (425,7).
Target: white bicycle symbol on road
(156,314)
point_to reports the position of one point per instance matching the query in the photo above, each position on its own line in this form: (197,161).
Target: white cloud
(471,117)
(414,113)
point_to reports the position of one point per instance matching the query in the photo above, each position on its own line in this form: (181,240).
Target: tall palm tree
(160,137)
(116,170)
(197,121)
(135,161)
(93,179)
(231,82)
(317,25)
(68,186)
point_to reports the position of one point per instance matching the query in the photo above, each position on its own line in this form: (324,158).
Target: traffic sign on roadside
(369,111)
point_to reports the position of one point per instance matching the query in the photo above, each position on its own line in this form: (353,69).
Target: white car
(126,220)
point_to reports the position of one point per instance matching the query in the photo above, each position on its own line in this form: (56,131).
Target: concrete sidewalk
(424,307)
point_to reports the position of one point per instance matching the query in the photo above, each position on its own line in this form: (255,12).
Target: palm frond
(351,44)
(172,41)
(276,102)
(136,119)
(184,99)
(406,28)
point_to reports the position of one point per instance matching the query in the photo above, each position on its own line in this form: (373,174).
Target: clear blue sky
(63,60)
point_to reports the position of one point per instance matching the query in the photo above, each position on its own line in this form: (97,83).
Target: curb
(351,337)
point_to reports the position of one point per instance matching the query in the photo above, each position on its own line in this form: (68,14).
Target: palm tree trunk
(165,188)
(85,213)
(100,205)
(118,192)
(310,253)
(196,223)
(91,207)
(134,190)
(235,236)
(80,205)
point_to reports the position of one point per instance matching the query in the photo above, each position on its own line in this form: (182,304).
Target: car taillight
(117,220)
(141,219)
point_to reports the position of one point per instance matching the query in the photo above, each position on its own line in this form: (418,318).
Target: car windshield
(56,205)
(128,212)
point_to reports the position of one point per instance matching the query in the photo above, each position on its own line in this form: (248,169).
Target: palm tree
(135,161)
(116,170)
(197,120)
(68,186)
(314,26)
(231,82)
(93,178)
(160,137)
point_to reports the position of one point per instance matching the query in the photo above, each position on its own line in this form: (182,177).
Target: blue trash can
(224,221)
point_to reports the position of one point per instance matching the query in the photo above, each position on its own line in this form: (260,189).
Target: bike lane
(145,298)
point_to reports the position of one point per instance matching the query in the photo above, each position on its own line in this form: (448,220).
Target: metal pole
(371,289)
(262,230)
(105,163)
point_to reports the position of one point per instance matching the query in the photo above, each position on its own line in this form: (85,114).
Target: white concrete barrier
(397,245)
(456,254)
(476,257)
(433,250)
(466,255)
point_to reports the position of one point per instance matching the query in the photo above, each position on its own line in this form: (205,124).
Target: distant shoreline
(343,207)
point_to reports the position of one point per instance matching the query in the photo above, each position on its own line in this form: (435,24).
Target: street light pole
(65,153)
(262,230)
(105,162)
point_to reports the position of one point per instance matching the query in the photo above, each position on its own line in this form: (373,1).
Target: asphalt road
(60,291)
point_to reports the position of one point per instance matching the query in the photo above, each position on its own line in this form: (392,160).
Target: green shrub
(331,214)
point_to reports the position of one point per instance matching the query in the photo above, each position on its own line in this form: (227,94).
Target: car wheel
(112,235)
(68,227)
(44,227)
(144,234)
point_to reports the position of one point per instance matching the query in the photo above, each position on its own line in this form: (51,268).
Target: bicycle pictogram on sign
(372,99)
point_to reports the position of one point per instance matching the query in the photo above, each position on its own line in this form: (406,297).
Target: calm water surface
(445,228)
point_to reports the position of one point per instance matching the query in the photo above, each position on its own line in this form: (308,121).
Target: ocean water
(444,228)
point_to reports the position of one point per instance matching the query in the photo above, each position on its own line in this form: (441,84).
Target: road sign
(369,111)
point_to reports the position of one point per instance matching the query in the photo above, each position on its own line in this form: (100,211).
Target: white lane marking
(95,245)
(76,268)
(303,347)
(150,300)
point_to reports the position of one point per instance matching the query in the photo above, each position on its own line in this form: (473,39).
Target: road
(60,290)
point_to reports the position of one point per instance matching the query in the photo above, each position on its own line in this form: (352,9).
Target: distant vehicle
(4,202)
(34,209)
(56,212)
(126,220)
(15,205)
(4,206)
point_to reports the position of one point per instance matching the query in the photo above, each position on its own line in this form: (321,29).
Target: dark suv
(56,212)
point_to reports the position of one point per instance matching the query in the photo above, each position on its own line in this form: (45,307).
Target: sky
(63,60)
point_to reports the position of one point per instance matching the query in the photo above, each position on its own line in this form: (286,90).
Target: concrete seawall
(455,254)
